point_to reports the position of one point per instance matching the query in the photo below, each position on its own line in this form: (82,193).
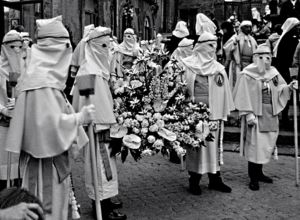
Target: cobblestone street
(155,188)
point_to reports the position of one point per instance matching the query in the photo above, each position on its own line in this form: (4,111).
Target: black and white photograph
(149,109)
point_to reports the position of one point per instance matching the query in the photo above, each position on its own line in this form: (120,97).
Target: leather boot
(115,204)
(216,183)
(107,211)
(253,170)
(262,177)
(194,181)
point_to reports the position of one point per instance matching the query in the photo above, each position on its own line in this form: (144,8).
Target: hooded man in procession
(184,49)
(181,31)
(44,127)
(124,55)
(95,61)
(260,95)
(207,82)
(12,61)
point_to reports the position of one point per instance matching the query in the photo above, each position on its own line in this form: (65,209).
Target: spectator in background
(228,31)
(290,8)
(18,28)
(213,19)
(256,20)
(239,50)
(265,31)
(284,53)
(273,39)
(181,31)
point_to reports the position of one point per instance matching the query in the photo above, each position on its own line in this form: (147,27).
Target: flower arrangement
(151,109)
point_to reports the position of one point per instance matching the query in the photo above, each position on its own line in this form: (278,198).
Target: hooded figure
(181,31)
(96,63)
(184,49)
(158,44)
(203,23)
(44,126)
(12,58)
(260,95)
(284,53)
(125,54)
(207,83)
(239,50)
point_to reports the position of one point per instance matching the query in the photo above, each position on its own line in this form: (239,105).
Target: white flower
(157,116)
(127,123)
(136,130)
(120,120)
(199,127)
(145,123)
(158,144)
(140,117)
(151,139)
(146,152)
(144,131)
(160,123)
(134,102)
(153,128)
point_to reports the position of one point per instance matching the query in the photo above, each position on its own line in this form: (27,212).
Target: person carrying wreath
(207,83)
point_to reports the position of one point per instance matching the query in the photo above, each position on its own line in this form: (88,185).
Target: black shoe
(254,186)
(194,181)
(115,215)
(115,204)
(220,186)
(265,179)
(195,190)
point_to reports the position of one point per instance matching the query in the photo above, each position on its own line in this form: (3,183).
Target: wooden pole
(94,170)
(8,183)
(242,135)
(296,136)
(86,85)
(221,141)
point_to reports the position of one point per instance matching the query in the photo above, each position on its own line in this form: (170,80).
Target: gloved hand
(87,114)
(293,84)
(251,119)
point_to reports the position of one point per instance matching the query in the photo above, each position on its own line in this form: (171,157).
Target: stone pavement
(155,189)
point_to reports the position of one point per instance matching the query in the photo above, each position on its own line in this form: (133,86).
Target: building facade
(146,17)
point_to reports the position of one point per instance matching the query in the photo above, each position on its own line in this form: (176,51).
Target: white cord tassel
(221,142)
(72,201)
(275,156)
(74,205)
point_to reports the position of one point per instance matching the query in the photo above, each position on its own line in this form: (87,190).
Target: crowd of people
(40,130)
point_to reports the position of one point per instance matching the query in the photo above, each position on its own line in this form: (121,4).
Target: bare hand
(7,112)
(293,85)
(11,103)
(22,211)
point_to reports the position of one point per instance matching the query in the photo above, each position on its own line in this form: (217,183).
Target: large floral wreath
(152,112)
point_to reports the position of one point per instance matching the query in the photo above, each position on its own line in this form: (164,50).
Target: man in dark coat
(290,8)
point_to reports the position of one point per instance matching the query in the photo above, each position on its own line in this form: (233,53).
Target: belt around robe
(63,169)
